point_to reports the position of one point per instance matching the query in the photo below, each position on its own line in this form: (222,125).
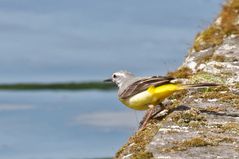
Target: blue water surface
(63,124)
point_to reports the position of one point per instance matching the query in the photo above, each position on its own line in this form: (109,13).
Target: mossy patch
(228,18)
(210,37)
(223,58)
(191,118)
(219,58)
(183,72)
(225,25)
(215,109)
(198,141)
(228,97)
(237,85)
(143,155)
(204,77)
(184,145)
(137,143)
(232,127)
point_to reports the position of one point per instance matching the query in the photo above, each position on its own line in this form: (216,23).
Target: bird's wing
(143,84)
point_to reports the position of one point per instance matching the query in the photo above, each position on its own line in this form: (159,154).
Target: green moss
(237,85)
(228,97)
(185,144)
(198,141)
(214,34)
(183,72)
(190,118)
(222,58)
(228,18)
(137,143)
(215,109)
(231,127)
(143,155)
(204,77)
(196,124)
(221,88)
(219,58)
(210,37)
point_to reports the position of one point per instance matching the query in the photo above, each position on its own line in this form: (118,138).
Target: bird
(143,93)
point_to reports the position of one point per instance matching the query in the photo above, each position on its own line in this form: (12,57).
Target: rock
(202,123)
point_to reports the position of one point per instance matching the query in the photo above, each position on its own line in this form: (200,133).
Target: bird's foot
(147,117)
(151,113)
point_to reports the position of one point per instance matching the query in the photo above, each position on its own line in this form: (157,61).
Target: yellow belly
(152,96)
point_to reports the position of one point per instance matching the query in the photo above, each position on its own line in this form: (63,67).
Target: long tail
(200,85)
(167,89)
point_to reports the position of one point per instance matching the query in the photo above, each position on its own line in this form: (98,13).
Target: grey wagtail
(142,93)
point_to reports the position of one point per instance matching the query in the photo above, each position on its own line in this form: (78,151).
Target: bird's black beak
(108,80)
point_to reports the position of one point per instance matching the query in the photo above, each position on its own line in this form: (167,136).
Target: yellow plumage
(152,96)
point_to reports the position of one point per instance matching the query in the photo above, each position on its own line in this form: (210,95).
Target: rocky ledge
(202,123)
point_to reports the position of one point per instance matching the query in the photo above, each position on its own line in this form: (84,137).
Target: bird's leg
(147,117)
(151,113)
(161,108)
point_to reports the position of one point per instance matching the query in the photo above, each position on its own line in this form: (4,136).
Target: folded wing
(143,84)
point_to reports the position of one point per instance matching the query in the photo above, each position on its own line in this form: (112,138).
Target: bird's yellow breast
(152,96)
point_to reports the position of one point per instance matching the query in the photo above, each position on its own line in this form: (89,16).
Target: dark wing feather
(144,84)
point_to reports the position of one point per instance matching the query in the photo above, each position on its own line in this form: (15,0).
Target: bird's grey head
(120,77)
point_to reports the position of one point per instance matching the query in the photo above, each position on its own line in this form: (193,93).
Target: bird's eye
(114,76)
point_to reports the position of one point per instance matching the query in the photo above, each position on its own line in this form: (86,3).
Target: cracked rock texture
(202,123)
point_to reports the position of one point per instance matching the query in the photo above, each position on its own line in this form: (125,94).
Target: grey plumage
(130,85)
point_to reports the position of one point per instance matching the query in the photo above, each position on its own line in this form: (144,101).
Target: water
(62,124)
(44,41)
(78,40)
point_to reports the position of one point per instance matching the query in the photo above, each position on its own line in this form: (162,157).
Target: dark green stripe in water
(59,86)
